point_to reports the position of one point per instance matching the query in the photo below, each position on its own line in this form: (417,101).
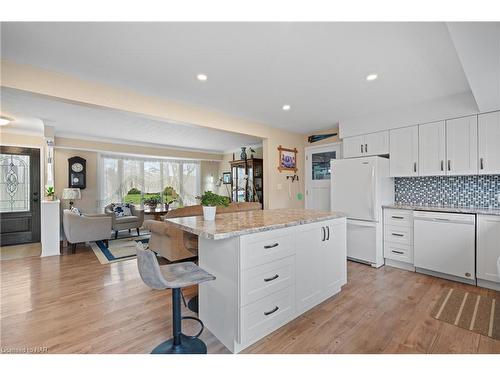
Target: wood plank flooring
(74,304)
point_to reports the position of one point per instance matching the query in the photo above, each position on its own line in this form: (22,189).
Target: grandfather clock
(77,170)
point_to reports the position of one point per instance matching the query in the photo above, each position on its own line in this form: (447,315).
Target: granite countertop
(453,209)
(247,222)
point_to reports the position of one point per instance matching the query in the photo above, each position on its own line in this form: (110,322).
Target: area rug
(470,311)
(118,250)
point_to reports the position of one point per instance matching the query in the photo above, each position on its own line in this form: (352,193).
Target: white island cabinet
(270,267)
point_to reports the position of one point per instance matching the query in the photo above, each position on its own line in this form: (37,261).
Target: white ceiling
(73,120)
(255,68)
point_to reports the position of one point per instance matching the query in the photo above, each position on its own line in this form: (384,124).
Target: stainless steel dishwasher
(444,245)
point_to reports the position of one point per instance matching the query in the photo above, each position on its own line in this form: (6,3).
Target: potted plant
(50,193)
(170,196)
(152,201)
(210,201)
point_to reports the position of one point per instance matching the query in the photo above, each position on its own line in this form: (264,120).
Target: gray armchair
(125,222)
(78,228)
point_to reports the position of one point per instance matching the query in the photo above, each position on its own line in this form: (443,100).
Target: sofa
(175,244)
(84,228)
(129,222)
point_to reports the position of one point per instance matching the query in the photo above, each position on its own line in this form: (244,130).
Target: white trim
(313,147)
(116,153)
(132,143)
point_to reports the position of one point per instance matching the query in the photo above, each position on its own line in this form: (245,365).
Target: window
(128,179)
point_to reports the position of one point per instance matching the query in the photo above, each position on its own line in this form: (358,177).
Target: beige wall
(209,171)
(28,78)
(90,194)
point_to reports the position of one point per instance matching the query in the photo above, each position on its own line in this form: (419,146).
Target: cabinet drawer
(397,234)
(264,316)
(266,247)
(402,218)
(266,279)
(398,251)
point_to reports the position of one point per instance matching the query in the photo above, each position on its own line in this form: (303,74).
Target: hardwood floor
(74,304)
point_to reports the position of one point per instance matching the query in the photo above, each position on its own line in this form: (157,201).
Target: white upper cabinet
(461,146)
(353,147)
(367,145)
(404,152)
(432,149)
(489,143)
(377,143)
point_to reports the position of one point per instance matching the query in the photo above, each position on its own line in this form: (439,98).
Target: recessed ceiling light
(286,107)
(4,121)
(371,77)
(202,77)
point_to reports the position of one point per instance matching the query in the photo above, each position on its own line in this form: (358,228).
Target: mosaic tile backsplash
(460,191)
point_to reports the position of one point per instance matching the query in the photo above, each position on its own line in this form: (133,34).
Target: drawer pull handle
(272,278)
(398,217)
(271,246)
(397,252)
(272,311)
(398,234)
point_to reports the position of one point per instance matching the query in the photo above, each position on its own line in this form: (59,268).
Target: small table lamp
(71,194)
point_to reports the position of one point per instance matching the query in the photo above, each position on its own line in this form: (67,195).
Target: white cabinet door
(308,260)
(353,147)
(376,144)
(488,247)
(334,258)
(404,152)
(489,143)
(461,146)
(432,149)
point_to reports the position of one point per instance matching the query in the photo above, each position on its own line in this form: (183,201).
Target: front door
(19,195)
(318,175)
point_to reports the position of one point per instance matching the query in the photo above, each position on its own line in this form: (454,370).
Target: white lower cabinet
(398,238)
(265,280)
(488,251)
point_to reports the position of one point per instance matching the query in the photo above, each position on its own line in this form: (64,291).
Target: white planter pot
(209,213)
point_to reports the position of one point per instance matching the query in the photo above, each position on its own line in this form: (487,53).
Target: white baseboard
(401,265)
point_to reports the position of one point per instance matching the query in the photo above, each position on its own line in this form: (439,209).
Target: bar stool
(191,244)
(173,276)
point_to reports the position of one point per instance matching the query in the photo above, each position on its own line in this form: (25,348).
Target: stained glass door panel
(19,195)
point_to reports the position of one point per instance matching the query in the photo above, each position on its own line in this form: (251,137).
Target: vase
(243,154)
(209,213)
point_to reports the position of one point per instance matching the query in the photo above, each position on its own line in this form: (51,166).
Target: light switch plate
(279,187)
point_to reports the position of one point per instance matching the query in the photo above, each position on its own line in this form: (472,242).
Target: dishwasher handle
(458,219)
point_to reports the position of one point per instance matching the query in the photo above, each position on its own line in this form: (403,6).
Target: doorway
(318,174)
(19,195)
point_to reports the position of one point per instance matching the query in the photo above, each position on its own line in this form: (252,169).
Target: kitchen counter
(240,223)
(452,209)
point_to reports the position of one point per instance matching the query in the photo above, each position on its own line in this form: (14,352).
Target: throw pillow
(122,209)
(76,211)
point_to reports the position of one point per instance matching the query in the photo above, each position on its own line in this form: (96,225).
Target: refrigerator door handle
(374,186)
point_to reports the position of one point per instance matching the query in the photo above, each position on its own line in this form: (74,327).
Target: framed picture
(226,178)
(287,159)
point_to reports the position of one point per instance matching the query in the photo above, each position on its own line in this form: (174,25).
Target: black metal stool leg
(193,304)
(190,345)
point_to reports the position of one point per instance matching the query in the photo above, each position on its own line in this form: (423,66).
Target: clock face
(77,167)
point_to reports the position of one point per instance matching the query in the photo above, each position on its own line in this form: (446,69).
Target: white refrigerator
(359,188)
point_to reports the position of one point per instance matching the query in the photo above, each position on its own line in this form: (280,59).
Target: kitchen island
(270,267)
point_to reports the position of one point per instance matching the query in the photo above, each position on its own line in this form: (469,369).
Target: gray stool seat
(181,275)
(175,277)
